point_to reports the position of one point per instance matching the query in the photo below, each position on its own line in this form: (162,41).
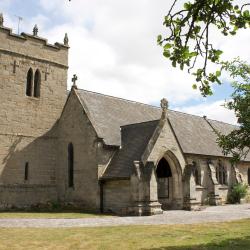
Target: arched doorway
(169,181)
(165,183)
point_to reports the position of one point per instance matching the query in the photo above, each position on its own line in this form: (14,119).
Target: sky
(113,50)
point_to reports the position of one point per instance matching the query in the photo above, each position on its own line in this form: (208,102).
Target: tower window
(70,165)
(29,82)
(37,83)
(26,171)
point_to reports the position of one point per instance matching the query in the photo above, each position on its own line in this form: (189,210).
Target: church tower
(33,89)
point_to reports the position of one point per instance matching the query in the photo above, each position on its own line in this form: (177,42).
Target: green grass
(211,236)
(49,215)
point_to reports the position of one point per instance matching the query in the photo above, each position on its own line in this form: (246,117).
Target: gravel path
(210,214)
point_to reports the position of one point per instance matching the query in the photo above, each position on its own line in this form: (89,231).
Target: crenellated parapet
(32,46)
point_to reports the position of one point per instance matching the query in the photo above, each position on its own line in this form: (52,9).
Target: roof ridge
(222,122)
(139,123)
(120,98)
(141,103)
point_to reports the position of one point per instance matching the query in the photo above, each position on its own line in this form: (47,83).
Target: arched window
(196,172)
(248,176)
(29,82)
(26,171)
(37,83)
(70,165)
(221,174)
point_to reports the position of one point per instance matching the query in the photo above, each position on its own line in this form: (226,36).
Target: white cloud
(117,54)
(114,51)
(214,110)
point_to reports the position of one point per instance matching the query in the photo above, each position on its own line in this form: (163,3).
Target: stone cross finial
(164,107)
(164,104)
(66,40)
(1,19)
(35,30)
(74,79)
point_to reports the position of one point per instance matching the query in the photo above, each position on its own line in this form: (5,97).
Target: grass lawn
(231,235)
(50,215)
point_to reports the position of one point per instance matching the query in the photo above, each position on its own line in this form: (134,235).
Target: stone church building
(98,152)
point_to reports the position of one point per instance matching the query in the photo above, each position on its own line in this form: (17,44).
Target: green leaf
(218,73)
(246,13)
(192,54)
(194,86)
(159,38)
(186,6)
(168,46)
(166,53)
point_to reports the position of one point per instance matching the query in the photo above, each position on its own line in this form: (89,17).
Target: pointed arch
(169,181)
(37,83)
(196,173)
(163,169)
(70,165)
(221,173)
(29,82)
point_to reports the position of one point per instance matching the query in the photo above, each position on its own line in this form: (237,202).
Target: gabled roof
(134,138)
(108,114)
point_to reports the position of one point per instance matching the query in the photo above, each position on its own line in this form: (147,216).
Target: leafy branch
(188,36)
(237,143)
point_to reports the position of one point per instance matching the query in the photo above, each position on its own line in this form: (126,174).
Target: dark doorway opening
(164,180)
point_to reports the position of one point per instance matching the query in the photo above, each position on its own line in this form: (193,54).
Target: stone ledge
(34,58)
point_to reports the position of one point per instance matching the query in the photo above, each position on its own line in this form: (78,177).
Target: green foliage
(188,36)
(238,192)
(188,39)
(237,143)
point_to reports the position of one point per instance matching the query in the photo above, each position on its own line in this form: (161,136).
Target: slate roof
(110,113)
(109,116)
(134,142)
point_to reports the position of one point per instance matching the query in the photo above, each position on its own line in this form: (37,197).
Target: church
(96,152)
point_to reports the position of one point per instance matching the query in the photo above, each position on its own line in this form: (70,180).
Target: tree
(189,39)
(238,141)
(188,45)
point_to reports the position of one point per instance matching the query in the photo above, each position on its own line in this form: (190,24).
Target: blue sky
(114,51)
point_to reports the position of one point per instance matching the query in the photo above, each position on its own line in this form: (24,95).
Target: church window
(37,83)
(196,171)
(70,165)
(26,171)
(29,82)
(221,174)
(248,176)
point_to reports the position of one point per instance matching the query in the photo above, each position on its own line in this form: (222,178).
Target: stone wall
(28,124)
(26,196)
(210,191)
(75,128)
(21,114)
(39,153)
(116,196)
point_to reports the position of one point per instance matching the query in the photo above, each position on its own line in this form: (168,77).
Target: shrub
(238,192)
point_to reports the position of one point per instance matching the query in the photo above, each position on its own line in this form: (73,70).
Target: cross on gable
(15,65)
(46,73)
(74,79)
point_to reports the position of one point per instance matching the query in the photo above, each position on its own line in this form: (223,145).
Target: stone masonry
(27,124)
(97,152)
